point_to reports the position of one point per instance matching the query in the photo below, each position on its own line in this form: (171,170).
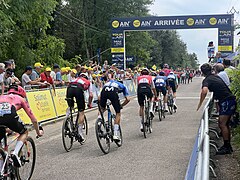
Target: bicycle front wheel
(102,136)
(67,134)
(160,112)
(28,158)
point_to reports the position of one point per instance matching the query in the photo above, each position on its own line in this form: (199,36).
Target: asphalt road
(163,155)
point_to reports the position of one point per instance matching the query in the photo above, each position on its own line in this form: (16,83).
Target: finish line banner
(172,22)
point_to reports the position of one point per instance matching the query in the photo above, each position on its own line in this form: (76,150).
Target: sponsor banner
(117,50)
(130,59)
(119,60)
(24,117)
(173,22)
(41,104)
(117,39)
(60,102)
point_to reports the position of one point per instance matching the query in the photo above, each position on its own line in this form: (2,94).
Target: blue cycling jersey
(160,81)
(119,86)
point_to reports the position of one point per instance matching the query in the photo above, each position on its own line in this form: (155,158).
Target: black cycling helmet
(145,71)
(162,73)
(153,74)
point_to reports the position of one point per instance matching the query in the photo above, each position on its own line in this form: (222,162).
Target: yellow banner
(60,102)
(41,104)
(117,50)
(225,48)
(24,117)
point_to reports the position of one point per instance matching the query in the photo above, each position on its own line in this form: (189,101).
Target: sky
(197,40)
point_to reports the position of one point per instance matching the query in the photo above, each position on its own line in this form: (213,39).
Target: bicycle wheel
(102,136)
(85,128)
(3,157)
(67,134)
(28,158)
(160,110)
(170,105)
(144,127)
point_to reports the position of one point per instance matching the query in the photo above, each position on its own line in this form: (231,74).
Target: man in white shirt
(219,68)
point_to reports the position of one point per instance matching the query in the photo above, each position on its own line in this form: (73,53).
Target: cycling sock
(165,106)
(99,116)
(174,100)
(116,127)
(80,129)
(18,146)
(151,106)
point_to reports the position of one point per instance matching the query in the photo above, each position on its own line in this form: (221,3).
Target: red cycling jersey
(84,83)
(18,102)
(166,71)
(145,79)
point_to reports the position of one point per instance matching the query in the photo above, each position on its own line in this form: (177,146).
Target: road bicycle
(70,129)
(158,107)
(27,156)
(146,118)
(105,129)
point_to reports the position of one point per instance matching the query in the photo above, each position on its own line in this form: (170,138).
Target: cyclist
(172,85)
(160,83)
(145,87)
(9,105)
(110,91)
(76,89)
(166,69)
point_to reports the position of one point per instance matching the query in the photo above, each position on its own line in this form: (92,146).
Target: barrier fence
(46,105)
(198,166)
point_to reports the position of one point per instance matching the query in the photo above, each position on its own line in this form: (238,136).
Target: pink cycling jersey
(18,102)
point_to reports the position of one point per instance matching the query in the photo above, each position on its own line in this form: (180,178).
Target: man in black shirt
(227,104)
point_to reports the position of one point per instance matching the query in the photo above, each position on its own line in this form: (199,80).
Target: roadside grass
(236,141)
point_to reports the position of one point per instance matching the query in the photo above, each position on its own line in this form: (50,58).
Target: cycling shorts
(162,89)
(77,92)
(112,94)
(227,107)
(143,89)
(173,86)
(13,122)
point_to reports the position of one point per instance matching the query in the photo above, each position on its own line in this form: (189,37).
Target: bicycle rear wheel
(160,111)
(28,158)
(170,104)
(3,157)
(118,143)
(102,136)
(67,134)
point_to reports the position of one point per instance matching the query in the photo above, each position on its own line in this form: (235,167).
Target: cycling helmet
(145,71)
(84,75)
(171,72)
(15,89)
(162,73)
(165,66)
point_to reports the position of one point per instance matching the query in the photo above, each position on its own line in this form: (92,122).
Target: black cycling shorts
(111,94)
(77,92)
(173,86)
(143,89)
(13,122)
(163,90)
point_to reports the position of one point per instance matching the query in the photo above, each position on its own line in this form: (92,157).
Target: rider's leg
(81,116)
(20,141)
(117,121)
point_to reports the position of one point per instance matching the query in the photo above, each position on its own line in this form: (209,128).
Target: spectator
(105,66)
(59,82)
(56,69)
(7,79)
(8,65)
(26,78)
(219,68)
(227,104)
(47,79)
(219,57)
(78,68)
(2,69)
(72,75)
(64,73)
(90,72)
(36,72)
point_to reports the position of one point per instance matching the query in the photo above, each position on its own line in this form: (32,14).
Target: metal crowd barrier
(46,105)
(198,166)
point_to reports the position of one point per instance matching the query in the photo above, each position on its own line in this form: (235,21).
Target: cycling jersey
(166,71)
(76,89)
(7,101)
(9,105)
(160,84)
(145,80)
(160,81)
(172,81)
(119,87)
(110,91)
